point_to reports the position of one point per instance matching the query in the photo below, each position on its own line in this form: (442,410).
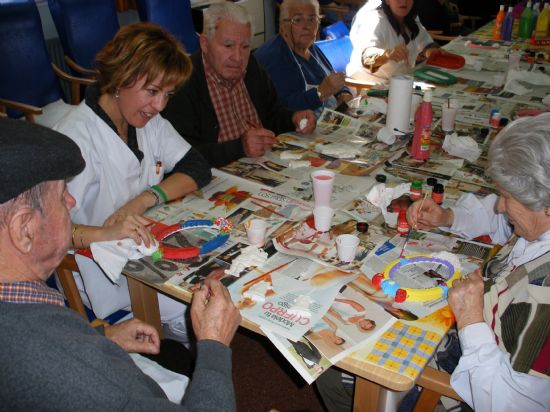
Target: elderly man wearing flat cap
(51,358)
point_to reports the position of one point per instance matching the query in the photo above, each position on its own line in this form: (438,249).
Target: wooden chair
(65,275)
(30,82)
(434,384)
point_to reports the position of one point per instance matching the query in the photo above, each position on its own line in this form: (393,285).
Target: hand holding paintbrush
(414,226)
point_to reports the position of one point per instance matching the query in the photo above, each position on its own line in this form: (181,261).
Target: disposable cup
(323,181)
(346,246)
(255,231)
(498,79)
(513,60)
(448,118)
(322,216)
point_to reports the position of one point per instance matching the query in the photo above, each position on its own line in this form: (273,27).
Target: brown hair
(141,49)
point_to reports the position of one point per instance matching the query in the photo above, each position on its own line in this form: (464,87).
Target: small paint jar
(403,226)
(438,193)
(416,190)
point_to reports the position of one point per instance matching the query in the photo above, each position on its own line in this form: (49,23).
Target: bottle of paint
(525,22)
(420,149)
(403,226)
(498,23)
(416,190)
(536,12)
(541,28)
(506,33)
(438,193)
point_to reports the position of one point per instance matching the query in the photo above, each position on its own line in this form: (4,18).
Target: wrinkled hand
(134,336)
(430,216)
(344,97)
(216,274)
(257,141)
(132,226)
(398,53)
(213,314)
(310,118)
(466,299)
(331,85)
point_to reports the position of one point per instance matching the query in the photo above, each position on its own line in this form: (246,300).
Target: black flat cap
(31,154)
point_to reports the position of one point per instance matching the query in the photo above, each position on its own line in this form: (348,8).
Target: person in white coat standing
(129,148)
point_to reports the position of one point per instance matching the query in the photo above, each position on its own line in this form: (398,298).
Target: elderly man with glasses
(303,76)
(229,108)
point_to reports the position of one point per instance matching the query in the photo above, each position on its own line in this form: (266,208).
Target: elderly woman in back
(303,76)
(388,39)
(129,149)
(503,314)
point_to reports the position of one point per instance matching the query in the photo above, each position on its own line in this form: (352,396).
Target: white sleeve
(368,33)
(475,217)
(484,377)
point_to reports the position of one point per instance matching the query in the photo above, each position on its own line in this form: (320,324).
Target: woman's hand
(466,299)
(135,207)
(133,227)
(331,85)
(430,216)
(398,53)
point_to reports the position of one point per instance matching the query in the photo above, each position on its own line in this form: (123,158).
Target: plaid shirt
(234,109)
(30,292)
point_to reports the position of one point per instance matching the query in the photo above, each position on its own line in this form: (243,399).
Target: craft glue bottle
(506,33)
(423,128)
(403,226)
(498,23)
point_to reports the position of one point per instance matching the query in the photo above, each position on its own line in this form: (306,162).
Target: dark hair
(410,24)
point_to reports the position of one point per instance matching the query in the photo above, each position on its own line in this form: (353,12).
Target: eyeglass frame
(310,19)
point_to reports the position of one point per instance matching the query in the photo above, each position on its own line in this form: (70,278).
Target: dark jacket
(192,113)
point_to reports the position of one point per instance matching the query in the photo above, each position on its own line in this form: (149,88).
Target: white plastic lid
(529,4)
(510,9)
(502,7)
(427,96)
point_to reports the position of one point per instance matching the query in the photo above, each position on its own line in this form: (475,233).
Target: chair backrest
(335,30)
(84,27)
(337,51)
(26,74)
(174,16)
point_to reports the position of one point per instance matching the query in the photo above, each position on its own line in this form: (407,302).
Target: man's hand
(132,226)
(213,314)
(430,216)
(466,299)
(304,121)
(331,85)
(134,336)
(257,141)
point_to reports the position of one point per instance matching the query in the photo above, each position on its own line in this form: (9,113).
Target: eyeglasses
(302,20)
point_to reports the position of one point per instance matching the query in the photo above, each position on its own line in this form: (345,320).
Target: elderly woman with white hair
(303,76)
(503,314)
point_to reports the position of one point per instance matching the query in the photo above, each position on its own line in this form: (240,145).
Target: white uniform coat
(372,30)
(113,176)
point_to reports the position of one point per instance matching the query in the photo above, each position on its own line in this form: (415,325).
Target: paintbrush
(266,274)
(267,208)
(413,228)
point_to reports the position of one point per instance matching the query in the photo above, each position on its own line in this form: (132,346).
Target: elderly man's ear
(22,229)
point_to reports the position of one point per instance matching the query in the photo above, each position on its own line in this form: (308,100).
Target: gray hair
(33,198)
(519,161)
(286,5)
(225,11)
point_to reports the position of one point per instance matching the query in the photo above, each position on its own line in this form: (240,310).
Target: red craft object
(400,296)
(446,60)
(170,252)
(377,280)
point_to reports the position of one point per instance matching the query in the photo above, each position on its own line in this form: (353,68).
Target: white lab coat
(372,30)
(112,177)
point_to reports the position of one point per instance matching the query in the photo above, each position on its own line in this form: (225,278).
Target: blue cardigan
(278,61)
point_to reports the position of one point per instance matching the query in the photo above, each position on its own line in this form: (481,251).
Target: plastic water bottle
(420,149)
(506,33)
(525,22)
(498,23)
(541,29)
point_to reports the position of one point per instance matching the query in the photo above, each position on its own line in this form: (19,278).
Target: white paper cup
(448,118)
(513,60)
(323,181)
(498,79)
(323,218)
(390,218)
(255,231)
(346,246)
